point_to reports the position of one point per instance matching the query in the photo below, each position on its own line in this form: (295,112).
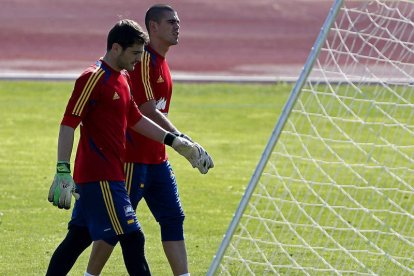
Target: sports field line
(188,78)
(46,76)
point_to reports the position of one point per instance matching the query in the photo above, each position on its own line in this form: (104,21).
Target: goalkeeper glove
(205,162)
(183,146)
(193,152)
(63,187)
(182,135)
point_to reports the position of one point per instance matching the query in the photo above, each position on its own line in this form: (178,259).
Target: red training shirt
(151,80)
(102,104)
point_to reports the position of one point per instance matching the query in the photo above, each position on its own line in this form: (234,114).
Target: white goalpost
(333,192)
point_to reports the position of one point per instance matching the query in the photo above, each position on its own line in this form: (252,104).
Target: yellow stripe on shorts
(110,207)
(128,169)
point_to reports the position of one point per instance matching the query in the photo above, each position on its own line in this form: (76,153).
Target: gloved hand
(194,153)
(205,162)
(182,135)
(63,187)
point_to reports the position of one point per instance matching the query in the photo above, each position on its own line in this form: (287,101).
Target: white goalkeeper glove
(182,135)
(193,152)
(205,162)
(187,149)
(63,187)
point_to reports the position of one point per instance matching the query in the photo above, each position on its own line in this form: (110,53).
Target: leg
(136,182)
(112,218)
(132,245)
(164,202)
(101,251)
(65,256)
(177,256)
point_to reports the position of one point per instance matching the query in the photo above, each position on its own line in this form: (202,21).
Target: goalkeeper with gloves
(149,174)
(102,105)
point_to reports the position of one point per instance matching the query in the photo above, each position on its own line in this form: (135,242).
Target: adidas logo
(116,96)
(160,79)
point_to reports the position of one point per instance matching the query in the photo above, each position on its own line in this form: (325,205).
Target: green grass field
(233,122)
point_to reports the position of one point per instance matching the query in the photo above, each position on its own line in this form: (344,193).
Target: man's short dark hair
(155,13)
(126,33)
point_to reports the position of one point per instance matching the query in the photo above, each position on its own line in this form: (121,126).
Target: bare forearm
(65,143)
(161,120)
(150,129)
(149,109)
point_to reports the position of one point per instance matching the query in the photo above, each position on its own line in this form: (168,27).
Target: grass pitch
(233,122)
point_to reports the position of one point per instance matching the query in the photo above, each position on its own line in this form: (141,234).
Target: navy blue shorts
(157,185)
(104,207)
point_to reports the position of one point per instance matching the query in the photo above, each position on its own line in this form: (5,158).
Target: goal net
(334,190)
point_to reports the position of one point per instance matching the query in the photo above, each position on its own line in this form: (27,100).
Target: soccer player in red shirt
(101,103)
(149,175)
(148,172)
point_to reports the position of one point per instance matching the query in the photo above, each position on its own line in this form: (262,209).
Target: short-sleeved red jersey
(102,104)
(151,80)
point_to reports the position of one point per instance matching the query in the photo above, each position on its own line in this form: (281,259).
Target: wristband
(62,167)
(169,139)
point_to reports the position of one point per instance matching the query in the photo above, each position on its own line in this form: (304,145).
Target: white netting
(337,193)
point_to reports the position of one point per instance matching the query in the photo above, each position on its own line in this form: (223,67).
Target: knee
(172,229)
(137,238)
(78,235)
(132,245)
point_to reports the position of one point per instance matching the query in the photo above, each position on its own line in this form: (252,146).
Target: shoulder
(150,58)
(94,71)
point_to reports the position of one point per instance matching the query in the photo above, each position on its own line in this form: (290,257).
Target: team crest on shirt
(129,211)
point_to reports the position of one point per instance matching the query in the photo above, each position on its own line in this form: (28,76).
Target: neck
(110,61)
(159,47)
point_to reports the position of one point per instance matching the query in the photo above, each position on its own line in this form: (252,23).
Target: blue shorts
(157,185)
(105,209)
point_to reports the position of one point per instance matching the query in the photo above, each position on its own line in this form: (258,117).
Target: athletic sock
(88,274)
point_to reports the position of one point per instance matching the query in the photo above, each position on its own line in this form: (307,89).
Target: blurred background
(217,37)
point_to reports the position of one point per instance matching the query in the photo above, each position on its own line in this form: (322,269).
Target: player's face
(130,56)
(169,28)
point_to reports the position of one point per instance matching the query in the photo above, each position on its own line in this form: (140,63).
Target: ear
(153,26)
(116,48)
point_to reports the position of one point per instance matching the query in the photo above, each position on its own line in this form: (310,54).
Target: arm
(148,128)
(149,109)
(193,152)
(63,186)
(65,143)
